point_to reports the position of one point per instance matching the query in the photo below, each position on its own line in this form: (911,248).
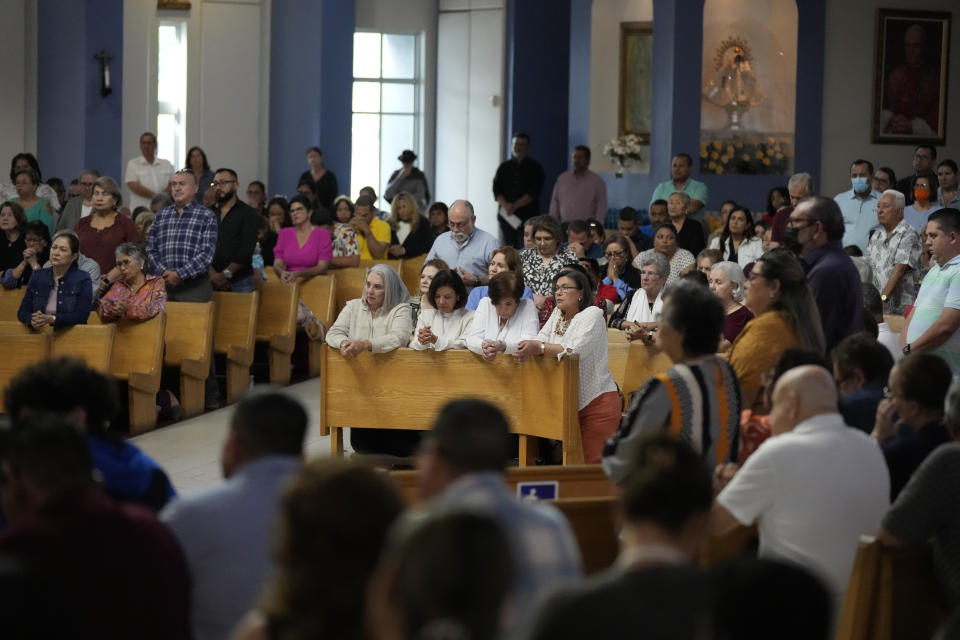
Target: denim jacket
(74,296)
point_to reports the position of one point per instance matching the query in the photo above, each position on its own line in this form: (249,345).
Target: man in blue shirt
(465,248)
(859,205)
(226,533)
(814,232)
(462,466)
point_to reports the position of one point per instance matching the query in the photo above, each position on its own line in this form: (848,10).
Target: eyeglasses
(563,288)
(544,240)
(614,254)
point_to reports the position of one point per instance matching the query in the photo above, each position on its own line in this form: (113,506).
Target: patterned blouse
(344,241)
(681,260)
(142,304)
(538,276)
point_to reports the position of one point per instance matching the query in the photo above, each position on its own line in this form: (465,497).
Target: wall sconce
(104,58)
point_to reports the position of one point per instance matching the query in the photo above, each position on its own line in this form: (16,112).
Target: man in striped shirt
(934,323)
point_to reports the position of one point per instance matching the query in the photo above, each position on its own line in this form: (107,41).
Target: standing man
(814,233)
(859,205)
(680,180)
(147,175)
(894,255)
(465,248)
(231,268)
(410,179)
(180,246)
(934,323)
(226,532)
(923,158)
(516,188)
(799,186)
(579,193)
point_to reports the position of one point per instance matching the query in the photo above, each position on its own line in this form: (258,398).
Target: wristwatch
(906,349)
(227,274)
(884,297)
(543,348)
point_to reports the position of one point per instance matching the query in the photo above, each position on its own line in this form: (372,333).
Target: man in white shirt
(814,487)
(147,175)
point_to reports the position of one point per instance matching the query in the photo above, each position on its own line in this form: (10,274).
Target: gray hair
(951,404)
(394,291)
(659,261)
(898,200)
(91,172)
(110,185)
(801,179)
(161,200)
(133,250)
(683,196)
(735,275)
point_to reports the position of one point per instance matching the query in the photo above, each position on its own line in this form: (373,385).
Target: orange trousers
(598,421)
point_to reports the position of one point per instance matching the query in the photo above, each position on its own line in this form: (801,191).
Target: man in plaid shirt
(180,248)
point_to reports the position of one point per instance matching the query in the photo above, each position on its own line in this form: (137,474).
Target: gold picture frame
(636,78)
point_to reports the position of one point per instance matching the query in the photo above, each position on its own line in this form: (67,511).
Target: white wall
(18,77)
(228,44)
(848,92)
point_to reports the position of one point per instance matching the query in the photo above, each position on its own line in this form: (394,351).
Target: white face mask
(460,237)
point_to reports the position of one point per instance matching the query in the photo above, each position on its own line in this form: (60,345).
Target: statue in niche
(734,86)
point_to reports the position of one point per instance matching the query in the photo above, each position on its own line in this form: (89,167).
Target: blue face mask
(859,184)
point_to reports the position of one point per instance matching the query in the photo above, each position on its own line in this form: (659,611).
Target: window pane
(171,65)
(366,55)
(396,135)
(366,153)
(167,137)
(397,98)
(366,96)
(398,56)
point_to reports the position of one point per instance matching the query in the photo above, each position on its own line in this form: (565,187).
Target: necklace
(561,326)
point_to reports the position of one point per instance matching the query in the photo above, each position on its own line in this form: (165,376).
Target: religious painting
(636,78)
(910,85)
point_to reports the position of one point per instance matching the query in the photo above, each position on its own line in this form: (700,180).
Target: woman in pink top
(303,250)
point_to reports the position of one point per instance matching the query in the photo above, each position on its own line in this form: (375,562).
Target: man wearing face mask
(859,205)
(814,231)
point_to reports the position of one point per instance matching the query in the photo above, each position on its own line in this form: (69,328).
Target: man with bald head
(814,487)
(465,248)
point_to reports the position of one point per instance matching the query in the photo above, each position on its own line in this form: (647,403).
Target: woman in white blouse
(503,319)
(738,241)
(576,326)
(446,324)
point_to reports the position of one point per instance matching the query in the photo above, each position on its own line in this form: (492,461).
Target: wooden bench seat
(410,273)
(188,346)
(234,336)
(92,343)
(404,389)
(319,293)
(573,481)
(19,350)
(10,303)
(350,281)
(595,523)
(138,359)
(277,325)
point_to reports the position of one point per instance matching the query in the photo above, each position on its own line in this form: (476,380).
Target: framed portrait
(636,78)
(910,77)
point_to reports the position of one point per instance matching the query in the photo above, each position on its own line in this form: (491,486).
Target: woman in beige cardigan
(378,322)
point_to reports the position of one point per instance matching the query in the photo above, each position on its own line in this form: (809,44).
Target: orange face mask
(921,195)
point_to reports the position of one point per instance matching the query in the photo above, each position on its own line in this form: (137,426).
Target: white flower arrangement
(624,151)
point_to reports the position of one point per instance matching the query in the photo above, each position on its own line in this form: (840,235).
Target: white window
(172,92)
(386,106)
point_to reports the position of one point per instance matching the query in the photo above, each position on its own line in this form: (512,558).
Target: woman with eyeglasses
(541,264)
(785,315)
(303,250)
(576,326)
(620,272)
(134,294)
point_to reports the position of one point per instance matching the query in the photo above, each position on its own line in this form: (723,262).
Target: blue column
(538,80)
(579,82)
(76,127)
(311,73)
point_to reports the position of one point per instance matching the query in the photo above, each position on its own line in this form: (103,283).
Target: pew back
(189,333)
(349,282)
(539,397)
(410,273)
(91,343)
(235,321)
(595,523)
(10,303)
(19,350)
(319,293)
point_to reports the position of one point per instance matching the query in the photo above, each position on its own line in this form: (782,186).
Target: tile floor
(190,450)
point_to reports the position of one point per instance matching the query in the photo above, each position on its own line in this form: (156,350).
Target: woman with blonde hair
(410,233)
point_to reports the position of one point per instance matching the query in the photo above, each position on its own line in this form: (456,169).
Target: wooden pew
(350,282)
(893,593)
(234,336)
(277,325)
(10,303)
(20,350)
(410,273)
(595,522)
(92,343)
(643,362)
(405,389)
(319,293)
(138,359)
(188,342)
(573,481)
